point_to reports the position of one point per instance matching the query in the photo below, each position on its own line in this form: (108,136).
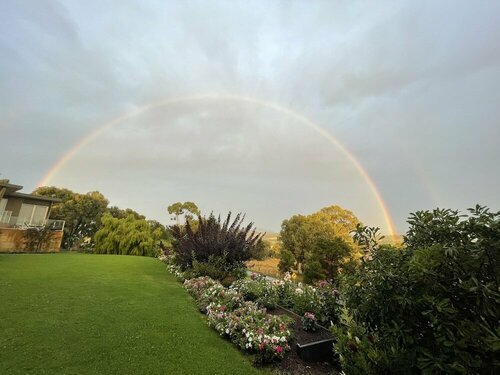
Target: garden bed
(293,363)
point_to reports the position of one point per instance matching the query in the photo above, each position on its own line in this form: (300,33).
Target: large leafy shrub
(432,307)
(215,240)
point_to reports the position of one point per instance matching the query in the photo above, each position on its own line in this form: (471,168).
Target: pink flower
(279,349)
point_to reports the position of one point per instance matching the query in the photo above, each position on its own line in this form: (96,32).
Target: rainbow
(224,97)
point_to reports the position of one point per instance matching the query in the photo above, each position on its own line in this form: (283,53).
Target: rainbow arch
(225,97)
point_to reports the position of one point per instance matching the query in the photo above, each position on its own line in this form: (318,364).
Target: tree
(82,213)
(160,230)
(287,261)
(299,234)
(188,209)
(127,236)
(122,214)
(329,257)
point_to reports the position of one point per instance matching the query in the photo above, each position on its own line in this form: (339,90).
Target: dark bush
(213,242)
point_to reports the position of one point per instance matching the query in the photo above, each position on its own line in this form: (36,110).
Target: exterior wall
(14,204)
(12,240)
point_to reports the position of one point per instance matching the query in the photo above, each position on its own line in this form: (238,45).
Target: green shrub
(260,290)
(287,261)
(313,271)
(432,307)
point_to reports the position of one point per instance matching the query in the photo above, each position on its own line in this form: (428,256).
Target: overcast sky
(411,89)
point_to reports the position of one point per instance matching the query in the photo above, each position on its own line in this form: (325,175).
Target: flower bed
(321,301)
(244,322)
(249,314)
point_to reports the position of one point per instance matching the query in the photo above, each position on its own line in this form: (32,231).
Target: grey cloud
(411,88)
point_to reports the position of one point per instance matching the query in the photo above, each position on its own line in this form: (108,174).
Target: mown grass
(104,314)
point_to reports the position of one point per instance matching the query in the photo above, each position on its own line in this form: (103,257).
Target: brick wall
(12,240)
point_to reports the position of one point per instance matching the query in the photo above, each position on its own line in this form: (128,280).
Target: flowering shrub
(244,322)
(309,322)
(172,267)
(323,300)
(238,313)
(258,289)
(286,290)
(252,329)
(228,298)
(306,298)
(197,286)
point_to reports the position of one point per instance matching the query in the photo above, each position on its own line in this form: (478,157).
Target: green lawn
(104,314)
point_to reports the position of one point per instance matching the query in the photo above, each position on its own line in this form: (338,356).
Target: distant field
(104,314)
(267,267)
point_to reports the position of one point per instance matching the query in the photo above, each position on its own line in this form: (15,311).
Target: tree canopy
(82,212)
(128,236)
(303,236)
(186,209)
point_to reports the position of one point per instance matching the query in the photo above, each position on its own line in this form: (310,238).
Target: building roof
(11,190)
(33,196)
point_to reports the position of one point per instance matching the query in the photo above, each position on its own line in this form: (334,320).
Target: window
(31,214)
(3,204)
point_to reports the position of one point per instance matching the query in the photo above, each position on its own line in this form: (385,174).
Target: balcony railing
(5,217)
(24,223)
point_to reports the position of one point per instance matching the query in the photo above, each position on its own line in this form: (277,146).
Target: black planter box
(318,351)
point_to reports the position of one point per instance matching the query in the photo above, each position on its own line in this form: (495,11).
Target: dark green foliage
(432,307)
(329,257)
(367,238)
(287,261)
(81,212)
(217,268)
(313,271)
(213,239)
(262,250)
